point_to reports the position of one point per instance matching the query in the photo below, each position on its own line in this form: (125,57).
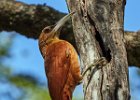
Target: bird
(61,62)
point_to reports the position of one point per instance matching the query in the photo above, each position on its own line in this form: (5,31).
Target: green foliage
(4,71)
(3,51)
(31,89)
(5,44)
(27,84)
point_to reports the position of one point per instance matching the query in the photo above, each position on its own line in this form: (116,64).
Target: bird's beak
(56,30)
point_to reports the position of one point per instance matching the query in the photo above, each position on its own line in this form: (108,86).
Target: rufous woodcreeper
(61,62)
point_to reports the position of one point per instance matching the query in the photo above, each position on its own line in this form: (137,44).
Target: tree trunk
(98,28)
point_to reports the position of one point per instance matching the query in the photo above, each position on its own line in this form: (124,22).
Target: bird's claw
(98,63)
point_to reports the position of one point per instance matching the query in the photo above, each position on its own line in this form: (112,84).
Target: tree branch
(132,44)
(26,19)
(29,20)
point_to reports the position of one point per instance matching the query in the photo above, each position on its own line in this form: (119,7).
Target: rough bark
(29,20)
(98,28)
(132,44)
(26,19)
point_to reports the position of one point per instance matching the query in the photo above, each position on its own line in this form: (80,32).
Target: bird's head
(51,32)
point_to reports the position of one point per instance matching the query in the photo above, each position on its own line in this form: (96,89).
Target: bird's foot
(99,63)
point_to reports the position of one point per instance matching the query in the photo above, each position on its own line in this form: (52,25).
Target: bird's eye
(46,30)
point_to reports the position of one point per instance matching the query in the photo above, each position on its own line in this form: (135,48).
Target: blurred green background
(22,75)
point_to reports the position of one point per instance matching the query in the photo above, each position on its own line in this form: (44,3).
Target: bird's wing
(57,66)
